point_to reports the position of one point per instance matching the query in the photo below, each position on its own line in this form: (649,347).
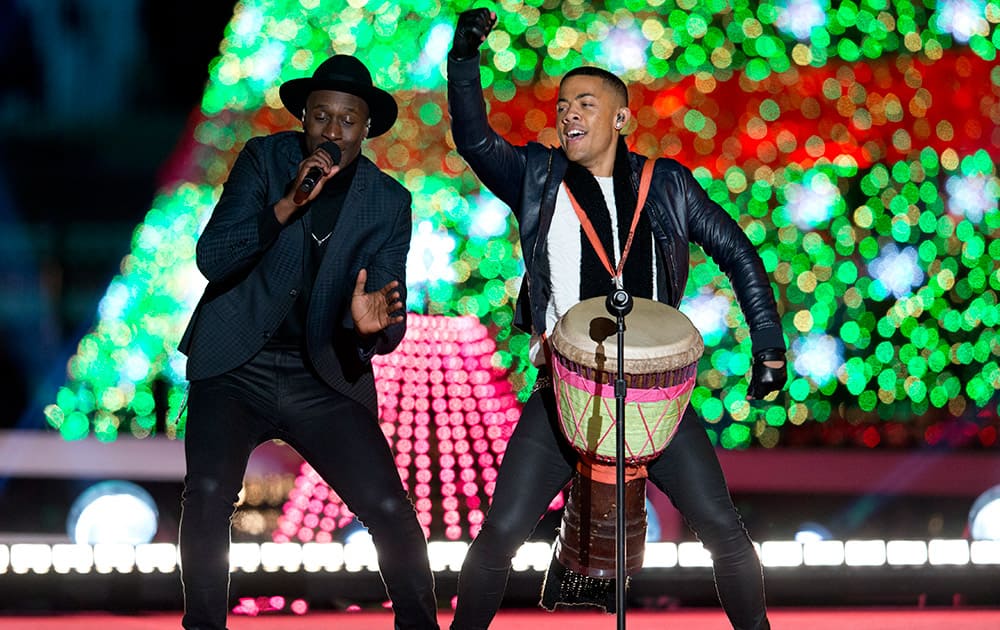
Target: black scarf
(638,272)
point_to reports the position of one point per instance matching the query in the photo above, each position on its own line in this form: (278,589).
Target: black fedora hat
(343,73)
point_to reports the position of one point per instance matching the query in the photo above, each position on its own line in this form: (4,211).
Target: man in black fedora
(305,256)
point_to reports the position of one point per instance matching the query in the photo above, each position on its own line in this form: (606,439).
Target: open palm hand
(377,310)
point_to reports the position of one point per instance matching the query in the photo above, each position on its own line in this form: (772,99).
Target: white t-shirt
(564,249)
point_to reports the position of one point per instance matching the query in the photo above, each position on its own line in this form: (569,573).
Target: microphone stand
(619,304)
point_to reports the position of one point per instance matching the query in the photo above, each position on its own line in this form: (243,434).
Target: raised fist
(470,32)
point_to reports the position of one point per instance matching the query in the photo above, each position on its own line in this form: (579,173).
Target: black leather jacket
(527,179)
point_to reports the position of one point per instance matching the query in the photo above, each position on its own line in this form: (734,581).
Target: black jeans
(275,395)
(539,463)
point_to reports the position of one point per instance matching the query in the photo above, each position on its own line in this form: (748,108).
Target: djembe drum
(661,354)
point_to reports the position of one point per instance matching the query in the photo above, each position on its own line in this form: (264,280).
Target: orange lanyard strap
(588,227)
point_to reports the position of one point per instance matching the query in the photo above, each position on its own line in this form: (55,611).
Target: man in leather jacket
(560,270)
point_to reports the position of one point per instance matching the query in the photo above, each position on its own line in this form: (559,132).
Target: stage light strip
(823,553)
(447,556)
(864,553)
(906,552)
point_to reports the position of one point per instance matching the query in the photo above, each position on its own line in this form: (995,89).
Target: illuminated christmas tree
(856,144)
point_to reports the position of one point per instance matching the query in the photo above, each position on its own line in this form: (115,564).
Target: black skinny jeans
(275,395)
(539,463)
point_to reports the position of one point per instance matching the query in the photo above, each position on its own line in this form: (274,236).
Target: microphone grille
(332,150)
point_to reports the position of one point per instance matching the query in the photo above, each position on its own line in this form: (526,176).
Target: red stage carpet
(787,619)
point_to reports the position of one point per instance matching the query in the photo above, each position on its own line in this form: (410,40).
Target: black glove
(470,32)
(765,379)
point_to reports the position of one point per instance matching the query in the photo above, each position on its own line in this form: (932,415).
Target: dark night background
(96,94)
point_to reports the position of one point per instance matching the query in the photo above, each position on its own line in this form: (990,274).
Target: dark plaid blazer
(252,285)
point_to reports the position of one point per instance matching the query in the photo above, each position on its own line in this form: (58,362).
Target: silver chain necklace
(320,241)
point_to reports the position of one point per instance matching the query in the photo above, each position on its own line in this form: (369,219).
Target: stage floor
(781,619)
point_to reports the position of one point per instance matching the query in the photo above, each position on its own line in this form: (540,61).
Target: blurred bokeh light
(113,512)
(855,143)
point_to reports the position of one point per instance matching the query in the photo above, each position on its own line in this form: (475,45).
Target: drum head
(657,337)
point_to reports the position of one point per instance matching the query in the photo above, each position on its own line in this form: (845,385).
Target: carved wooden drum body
(661,353)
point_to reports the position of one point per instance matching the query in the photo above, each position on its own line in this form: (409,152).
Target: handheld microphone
(315,173)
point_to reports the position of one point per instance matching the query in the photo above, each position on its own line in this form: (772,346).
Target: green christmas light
(748,152)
